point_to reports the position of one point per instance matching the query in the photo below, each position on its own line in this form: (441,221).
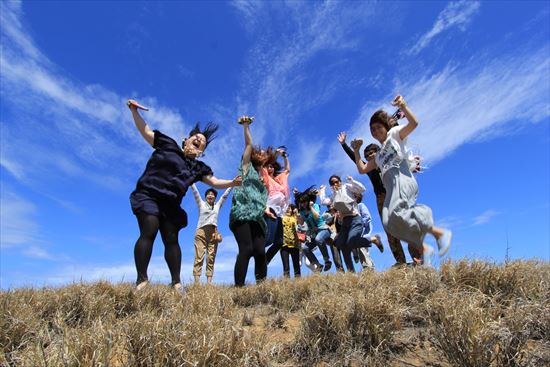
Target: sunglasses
(332,183)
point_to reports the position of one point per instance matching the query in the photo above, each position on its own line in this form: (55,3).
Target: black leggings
(251,241)
(149,225)
(295,253)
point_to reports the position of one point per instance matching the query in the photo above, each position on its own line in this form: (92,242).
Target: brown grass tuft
(470,313)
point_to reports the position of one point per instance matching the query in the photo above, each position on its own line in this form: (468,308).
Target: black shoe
(328,265)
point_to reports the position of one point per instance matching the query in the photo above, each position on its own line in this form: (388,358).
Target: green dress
(249,199)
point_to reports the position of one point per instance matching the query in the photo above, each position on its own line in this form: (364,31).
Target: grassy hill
(469,313)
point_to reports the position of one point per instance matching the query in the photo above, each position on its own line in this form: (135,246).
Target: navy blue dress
(166,178)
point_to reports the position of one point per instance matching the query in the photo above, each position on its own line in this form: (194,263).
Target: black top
(169,173)
(375,175)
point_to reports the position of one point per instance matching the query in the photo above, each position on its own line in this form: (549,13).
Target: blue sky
(477,75)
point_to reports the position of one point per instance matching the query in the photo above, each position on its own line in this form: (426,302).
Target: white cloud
(74,129)
(485,217)
(18,226)
(464,103)
(278,83)
(455,14)
(306,159)
(38,253)
(19,229)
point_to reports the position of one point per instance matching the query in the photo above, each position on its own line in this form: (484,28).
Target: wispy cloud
(18,226)
(19,229)
(468,102)
(46,108)
(456,14)
(279,75)
(485,217)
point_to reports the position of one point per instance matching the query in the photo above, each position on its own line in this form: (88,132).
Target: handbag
(217,236)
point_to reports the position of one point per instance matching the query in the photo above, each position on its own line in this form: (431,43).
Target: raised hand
(399,101)
(342,137)
(133,104)
(245,120)
(356,144)
(349,178)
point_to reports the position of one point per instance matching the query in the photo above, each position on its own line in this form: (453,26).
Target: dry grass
(470,313)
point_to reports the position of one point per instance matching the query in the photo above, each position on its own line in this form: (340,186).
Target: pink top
(278,191)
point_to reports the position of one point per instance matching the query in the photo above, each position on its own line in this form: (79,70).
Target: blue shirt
(311,222)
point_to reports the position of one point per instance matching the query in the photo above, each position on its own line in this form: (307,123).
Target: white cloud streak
(467,103)
(51,108)
(485,217)
(456,14)
(19,229)
(18,226)
(283,85)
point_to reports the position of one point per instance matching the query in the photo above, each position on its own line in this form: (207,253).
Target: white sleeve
(196,195)
(394,133)
(323,199)
(224,197)
(356,186)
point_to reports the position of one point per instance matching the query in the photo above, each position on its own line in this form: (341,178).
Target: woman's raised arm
(399,102)
(141,125)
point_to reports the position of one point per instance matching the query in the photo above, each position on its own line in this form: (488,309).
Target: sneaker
(328,265)
(444,242)
(309,264)
(367,262)
(427,256)
(378,242)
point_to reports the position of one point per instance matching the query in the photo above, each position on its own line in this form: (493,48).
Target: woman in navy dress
(156,200)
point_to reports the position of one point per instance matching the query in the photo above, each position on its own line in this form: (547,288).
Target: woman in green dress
(246,219)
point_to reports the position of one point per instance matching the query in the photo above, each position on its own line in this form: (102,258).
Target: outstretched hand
(238,181)
(133,104)
(349,178)
(356,144)
(342,137)
(322,187)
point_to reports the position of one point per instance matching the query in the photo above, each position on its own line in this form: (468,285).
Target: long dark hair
(309,194)
(271,158)
(209,132)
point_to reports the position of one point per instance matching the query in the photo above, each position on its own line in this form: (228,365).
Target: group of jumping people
(263,218)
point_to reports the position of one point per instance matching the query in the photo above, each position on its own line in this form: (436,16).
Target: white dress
(402,217)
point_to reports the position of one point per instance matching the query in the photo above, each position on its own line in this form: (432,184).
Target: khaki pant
(395,244)
(203,244)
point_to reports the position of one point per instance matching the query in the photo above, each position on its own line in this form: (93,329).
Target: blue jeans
(350,235)
(320,241)
(274,236)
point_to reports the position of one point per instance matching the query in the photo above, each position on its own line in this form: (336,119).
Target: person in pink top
(276,181)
